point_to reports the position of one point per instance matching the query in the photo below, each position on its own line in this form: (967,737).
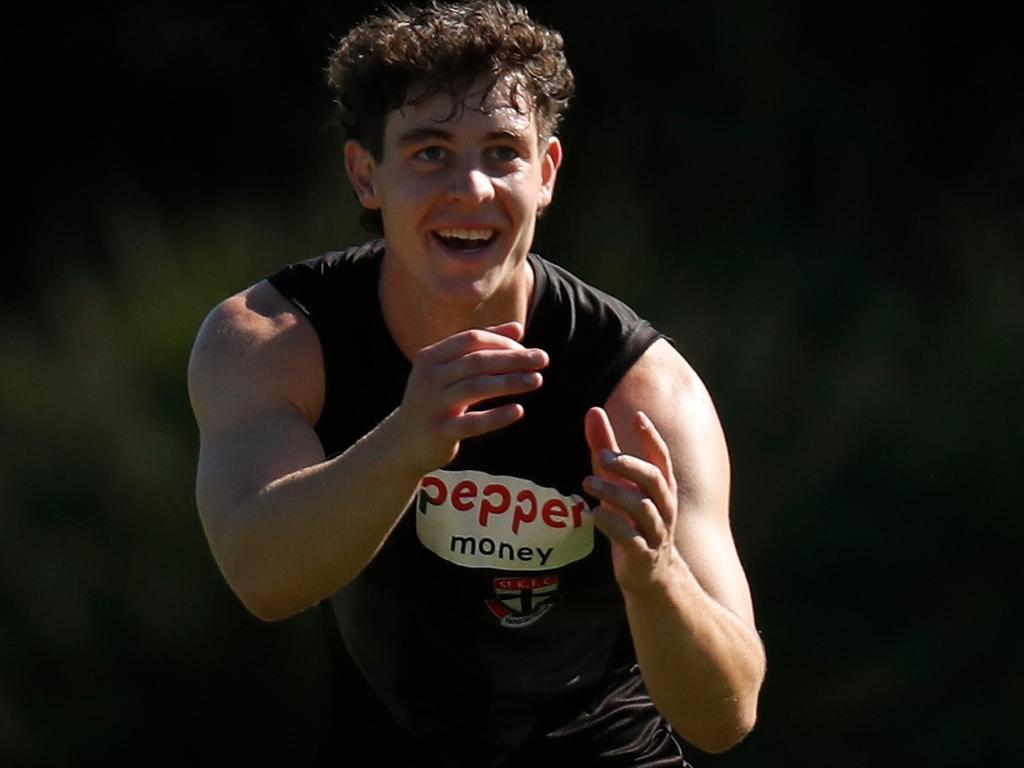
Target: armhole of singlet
(632,346)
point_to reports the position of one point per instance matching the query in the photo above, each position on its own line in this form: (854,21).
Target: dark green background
(823,206)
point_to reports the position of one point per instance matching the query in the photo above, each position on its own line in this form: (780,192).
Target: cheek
(406,198)
(525,189)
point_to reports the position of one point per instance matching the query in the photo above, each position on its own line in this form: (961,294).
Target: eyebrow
(505,135)
(416,135)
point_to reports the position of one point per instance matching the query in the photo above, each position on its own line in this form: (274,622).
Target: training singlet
(490,618)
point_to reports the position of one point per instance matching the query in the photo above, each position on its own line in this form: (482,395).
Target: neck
(416,320)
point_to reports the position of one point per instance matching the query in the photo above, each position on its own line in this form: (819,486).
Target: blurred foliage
(118,634)
(824,211)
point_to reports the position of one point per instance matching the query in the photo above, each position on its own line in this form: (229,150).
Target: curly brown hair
(443,48)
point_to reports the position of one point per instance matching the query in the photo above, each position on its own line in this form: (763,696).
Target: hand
(639,502)
(454,374)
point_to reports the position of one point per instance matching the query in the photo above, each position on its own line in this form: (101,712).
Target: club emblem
(521,600)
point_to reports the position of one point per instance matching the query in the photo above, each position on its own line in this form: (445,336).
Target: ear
(550,162)
(360,165)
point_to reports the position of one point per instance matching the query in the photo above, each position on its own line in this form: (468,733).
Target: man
(421,434)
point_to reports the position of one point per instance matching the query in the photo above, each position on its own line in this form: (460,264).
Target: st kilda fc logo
(521,600)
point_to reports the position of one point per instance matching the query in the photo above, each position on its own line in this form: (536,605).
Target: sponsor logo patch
(478,520)
(521,600)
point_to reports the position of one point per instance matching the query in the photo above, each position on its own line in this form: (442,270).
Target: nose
(470,183)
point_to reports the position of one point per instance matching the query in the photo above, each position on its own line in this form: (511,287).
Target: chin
(467,295)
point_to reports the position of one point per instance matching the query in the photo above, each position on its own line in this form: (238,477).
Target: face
(459,197)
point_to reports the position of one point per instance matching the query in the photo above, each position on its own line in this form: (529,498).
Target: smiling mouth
(465,240)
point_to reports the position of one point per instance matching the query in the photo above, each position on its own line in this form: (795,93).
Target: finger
(512,329)
(654,445)
(599,431)
(600,436)
(612,525)
(463,343)
(644,475)
(492,361)
(475,423)
(641,510)
(463,394)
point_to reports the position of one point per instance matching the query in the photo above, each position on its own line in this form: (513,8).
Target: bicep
(240,459)
(664,386)
(256,385)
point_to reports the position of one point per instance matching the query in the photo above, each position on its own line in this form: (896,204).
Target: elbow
(268,593)
(273,595)
(737,719)
(258,587)
(715,722)
(730,731)
(261,597)
(255,590)
(718,726)
(264,609)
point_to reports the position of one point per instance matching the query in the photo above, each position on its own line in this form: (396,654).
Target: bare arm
(660,456)
(287,526)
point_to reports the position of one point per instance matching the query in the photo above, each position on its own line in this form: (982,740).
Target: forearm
(702,664)
(307,534)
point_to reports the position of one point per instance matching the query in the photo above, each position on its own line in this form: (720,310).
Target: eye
(432,154)
(503,153)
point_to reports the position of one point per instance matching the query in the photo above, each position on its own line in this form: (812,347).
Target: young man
(422,434)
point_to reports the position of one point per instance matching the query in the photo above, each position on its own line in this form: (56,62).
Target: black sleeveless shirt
(491,617)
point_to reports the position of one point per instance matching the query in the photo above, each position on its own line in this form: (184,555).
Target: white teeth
(467,234)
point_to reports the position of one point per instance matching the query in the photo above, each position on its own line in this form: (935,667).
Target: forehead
(503,107)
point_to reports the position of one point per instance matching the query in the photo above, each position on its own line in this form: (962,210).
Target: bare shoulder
(660,373)
(666,387)
(255,348)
